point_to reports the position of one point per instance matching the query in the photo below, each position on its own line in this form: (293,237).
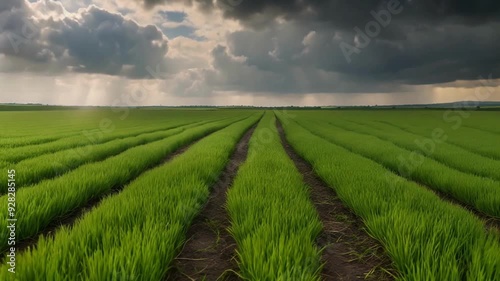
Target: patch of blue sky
(173,16)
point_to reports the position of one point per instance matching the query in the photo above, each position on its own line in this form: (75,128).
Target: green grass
(434,147)
(426,238)
(18,128)
(272,220)
(12,142)
(477,141)
(136,234)
(52,199)
(455,123)
(57,163)
(36,123)
(17,154)
(483,194)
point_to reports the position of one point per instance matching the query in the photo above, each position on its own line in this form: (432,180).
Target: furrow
(209,250)
(349,253)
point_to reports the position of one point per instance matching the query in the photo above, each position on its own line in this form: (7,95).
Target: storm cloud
(273,47)
(91,41)
(346,13)
(408,42)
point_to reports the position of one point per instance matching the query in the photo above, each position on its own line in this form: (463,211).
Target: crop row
(94,123)
(272,219)
(434,146)
(12,142)
(75,131)
(35,124)
(55,164)
(491,130)
(39,124)
(427,238)
(136,234)
(458,125)
(480,142)
(481,193)
(93,137)
(52,199)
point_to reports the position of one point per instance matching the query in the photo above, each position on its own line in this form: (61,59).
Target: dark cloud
(96,41)
(108,43)
(425,55)
(205,5)
(348,13)
(17,29)
(7,5)
(286,46)
(232,73)
(411,42)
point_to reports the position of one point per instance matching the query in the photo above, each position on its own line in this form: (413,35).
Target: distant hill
(457,104)
(492,105)
(36,107)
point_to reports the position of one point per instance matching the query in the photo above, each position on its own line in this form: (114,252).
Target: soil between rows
(209,252)
(349,252)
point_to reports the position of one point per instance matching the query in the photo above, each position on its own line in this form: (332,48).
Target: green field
(249,194)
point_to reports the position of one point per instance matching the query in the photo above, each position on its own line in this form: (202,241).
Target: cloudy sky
(251,52)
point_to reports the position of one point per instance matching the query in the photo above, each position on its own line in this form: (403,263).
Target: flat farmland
(249,194)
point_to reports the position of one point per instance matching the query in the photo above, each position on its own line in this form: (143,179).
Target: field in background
(249,194)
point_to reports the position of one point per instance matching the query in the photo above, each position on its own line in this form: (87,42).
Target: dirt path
(209,253)
(349,252)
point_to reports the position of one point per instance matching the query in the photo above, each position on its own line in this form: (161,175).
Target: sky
(249,52)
